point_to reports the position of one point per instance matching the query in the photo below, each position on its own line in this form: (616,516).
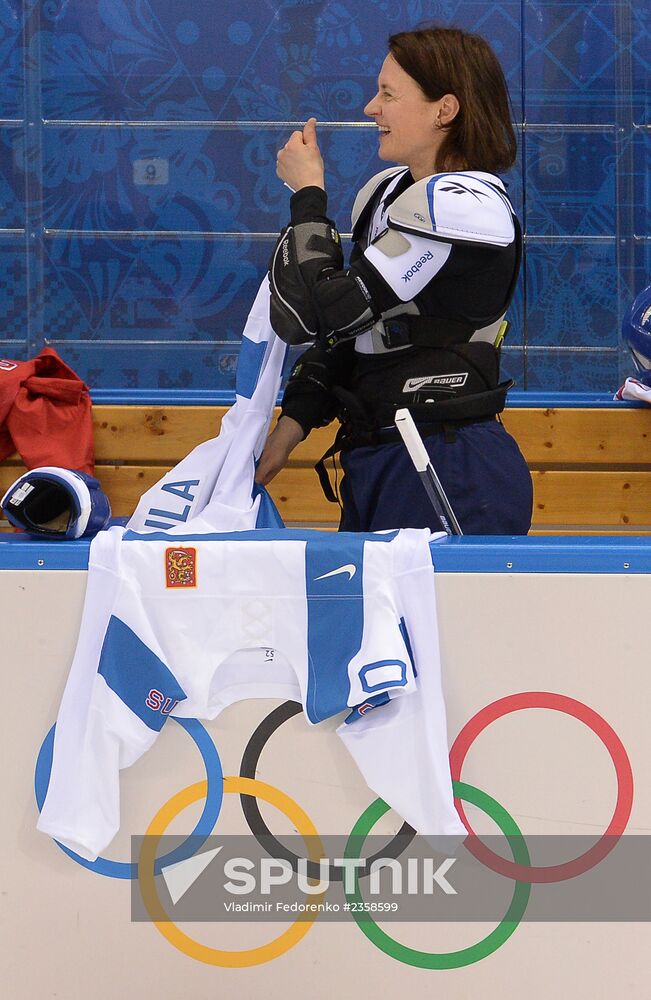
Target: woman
(415,319)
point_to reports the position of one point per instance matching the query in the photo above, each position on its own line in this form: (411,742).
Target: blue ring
(201,832)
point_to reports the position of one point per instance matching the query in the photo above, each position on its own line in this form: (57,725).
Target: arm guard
(308,396)
(312,297)
(304,253)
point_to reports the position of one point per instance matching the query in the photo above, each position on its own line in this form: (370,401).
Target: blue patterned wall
(138,196)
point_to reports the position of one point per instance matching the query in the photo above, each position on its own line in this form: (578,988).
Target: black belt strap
(462,408)
(359,429)
(348,437)
(322,472)
(423,331)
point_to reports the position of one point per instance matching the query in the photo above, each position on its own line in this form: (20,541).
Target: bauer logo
(415,268)
(181,567)
(455,381)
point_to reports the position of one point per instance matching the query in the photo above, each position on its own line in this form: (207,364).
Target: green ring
(450,959)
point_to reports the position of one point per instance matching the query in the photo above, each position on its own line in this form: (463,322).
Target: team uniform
(415,321)
(186,625)
(215,482)
(180,621)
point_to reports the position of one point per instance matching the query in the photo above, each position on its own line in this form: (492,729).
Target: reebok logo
(364,290)
(348,568)
(456,188)
(7,366)
(415,268)
(455,381)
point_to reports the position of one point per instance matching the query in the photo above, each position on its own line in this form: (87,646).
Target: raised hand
(299,162)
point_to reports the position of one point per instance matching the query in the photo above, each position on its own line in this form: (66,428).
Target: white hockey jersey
(185,622)
(215,481)
(185,625)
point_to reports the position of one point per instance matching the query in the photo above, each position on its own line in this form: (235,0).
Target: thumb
(309,132)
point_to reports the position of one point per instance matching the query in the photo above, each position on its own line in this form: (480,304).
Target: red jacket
(45,413)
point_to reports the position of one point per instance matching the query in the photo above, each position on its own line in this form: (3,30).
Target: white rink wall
(66,932)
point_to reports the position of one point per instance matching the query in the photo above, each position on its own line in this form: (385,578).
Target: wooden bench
(591,467)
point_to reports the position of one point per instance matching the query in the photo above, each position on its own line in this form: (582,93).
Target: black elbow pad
(302,253)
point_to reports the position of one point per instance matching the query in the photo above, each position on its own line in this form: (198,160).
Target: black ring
(258,827)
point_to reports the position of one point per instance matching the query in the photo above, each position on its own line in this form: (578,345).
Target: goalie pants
(480,466)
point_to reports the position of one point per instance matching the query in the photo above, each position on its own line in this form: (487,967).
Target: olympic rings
(253,816)
(201,832)
(450,959)
(520,870)
(619,757)
(169,930)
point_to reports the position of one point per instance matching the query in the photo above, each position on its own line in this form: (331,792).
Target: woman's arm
(313,294)
(280,444)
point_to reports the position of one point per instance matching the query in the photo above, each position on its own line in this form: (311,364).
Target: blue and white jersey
(215,481)
(182,621)
(186,625)
(206,616)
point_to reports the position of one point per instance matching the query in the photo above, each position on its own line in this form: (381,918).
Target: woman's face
(407,120)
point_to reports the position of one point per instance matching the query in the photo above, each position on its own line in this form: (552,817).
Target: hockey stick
(418,454)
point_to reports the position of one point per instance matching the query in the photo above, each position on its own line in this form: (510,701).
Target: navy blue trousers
(482,472)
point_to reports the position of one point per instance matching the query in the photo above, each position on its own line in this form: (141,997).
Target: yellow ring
(149,892)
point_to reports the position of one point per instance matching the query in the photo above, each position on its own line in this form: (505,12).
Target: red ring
(614,746)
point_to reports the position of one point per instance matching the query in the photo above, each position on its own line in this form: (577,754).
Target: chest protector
(449,247)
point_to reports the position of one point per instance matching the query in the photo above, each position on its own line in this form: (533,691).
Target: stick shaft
(423,465)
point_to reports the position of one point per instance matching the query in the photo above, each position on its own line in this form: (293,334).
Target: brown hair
(451,61)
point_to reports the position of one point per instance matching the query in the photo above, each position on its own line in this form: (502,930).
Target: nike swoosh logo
(416,383)
(349,568)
